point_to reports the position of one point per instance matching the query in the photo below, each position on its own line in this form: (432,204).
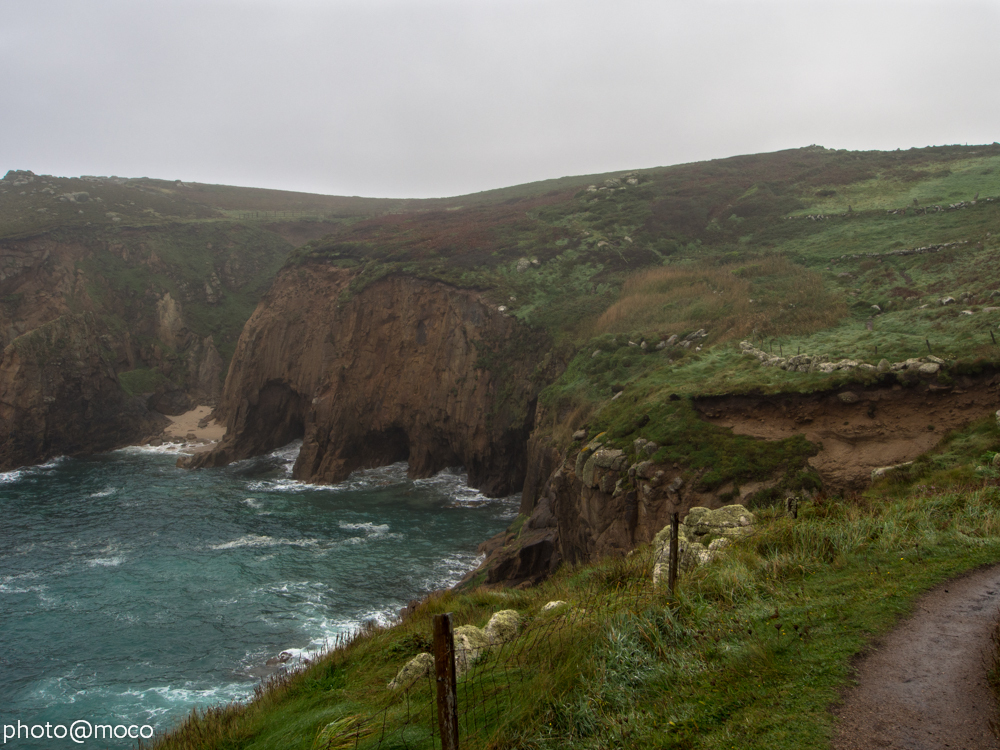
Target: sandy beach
(184,429)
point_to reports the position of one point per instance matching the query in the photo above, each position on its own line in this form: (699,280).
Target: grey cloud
(437,98)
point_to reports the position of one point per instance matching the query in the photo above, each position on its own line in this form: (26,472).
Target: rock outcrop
(59,395)
(700,537)
(405,369)
(596,502)
(471,642)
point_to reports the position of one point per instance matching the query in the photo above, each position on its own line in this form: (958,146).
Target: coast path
(923,686)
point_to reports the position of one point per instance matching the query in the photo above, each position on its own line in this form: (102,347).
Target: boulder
(928,369)
(503,627)
(419,666)
(645,469)
(606,459)
(848,397)
(701,536)
(580,435)
(560,603)
(883,470)
(470,643)
(172,402)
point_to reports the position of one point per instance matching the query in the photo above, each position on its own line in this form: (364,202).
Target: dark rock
(172,402)
(60,395)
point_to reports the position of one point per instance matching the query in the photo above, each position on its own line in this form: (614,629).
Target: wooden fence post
(672,570)
(444,669)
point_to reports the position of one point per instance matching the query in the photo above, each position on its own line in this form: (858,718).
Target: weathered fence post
(792,506)
(672,570)
(444,669)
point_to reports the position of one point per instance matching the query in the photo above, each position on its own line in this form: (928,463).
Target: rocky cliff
(59,395)
(403,369)
(586,503)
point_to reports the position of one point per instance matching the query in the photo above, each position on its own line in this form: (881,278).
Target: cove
(132,591)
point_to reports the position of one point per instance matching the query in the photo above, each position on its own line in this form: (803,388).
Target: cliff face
(585,505)
(406,369)
(59,395)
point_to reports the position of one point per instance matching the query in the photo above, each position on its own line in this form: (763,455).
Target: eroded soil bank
(859,428)
(923,686)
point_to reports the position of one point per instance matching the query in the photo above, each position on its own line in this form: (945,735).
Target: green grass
(754,650)
(141,380)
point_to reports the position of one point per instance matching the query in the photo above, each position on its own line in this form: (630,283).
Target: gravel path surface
(924,685)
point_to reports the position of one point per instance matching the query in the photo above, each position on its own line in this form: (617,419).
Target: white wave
(252,502)
(14,584)
(284,485)
(376,529)
(260,540)
(324,632)
(164,699)
(453,483)
(6,588)
(106,562)
(449,570)
(9,477)
(287,454)
(108,491)
(165,449)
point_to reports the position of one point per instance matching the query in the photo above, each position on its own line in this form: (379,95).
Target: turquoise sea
(132,591)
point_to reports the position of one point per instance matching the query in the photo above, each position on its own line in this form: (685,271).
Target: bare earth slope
(924,686)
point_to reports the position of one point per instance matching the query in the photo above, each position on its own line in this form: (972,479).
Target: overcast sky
(422,98)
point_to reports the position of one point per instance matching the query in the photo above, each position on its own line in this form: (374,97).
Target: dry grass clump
(766,296)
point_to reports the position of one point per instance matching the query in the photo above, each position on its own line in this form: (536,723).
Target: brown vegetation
(768,296)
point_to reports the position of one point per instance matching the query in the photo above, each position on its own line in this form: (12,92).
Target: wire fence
(489,680)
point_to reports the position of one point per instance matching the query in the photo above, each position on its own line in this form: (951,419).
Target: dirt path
(924,685)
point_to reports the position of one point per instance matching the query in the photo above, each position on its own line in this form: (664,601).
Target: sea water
(132,591)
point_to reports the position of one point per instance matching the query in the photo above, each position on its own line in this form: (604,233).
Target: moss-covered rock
(503,627)
(419,666)
(701,536)
(470,643)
